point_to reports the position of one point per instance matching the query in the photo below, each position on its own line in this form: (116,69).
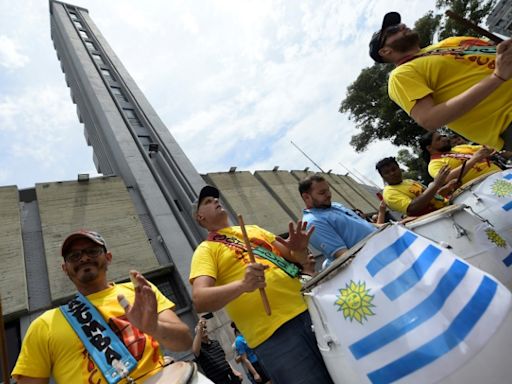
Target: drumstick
(461,173)
(473,26)
(253,260)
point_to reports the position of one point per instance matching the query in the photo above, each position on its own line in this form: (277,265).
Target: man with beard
(439,153)
(137,312)
(336,227)
(222,275)
(461,82)
(410,197)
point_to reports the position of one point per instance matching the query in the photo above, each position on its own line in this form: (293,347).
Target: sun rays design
(495,238)
(355,302)
(502,188)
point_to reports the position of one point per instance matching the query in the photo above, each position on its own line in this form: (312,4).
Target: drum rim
(341,262)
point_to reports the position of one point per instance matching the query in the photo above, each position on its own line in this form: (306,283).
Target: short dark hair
(424,141)
(385,162)
(306,183)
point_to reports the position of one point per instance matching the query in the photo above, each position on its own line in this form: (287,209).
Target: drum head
(470,185)
(180,372)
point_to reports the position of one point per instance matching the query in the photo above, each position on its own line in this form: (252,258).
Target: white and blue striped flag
(409,311)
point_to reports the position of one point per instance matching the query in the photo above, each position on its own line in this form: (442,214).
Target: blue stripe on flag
(508,260)
(415,273)
(445,342)
(387,255)
(508,206)
(508,177)
(415,317)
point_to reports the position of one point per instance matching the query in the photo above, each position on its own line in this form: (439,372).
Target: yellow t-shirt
(444,76)
(227,264)
(398,197)
(481,168)
(51,348)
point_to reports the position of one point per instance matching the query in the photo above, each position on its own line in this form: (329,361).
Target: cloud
(10,55)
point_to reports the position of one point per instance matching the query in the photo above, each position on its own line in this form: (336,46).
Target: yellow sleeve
(163,302)
(203,261)
(406,85)
(34,359)
(434,166)
(396,200)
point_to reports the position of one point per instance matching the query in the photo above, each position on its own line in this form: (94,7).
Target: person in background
(211,357)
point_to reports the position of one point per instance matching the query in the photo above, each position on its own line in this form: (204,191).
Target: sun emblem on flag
(355,301)
(502,188)
(495,238)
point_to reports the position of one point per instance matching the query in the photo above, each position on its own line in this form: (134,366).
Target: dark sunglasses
(93,252)
(388,32)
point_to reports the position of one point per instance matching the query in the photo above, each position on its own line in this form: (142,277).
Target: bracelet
(499,77)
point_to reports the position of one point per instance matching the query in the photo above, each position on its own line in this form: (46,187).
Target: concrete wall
(102,204)
(13,284)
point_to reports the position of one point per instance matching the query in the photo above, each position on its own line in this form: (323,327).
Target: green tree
(416,166)
(367,100)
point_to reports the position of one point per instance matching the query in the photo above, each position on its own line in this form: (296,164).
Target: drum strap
(108,352)
(239,246)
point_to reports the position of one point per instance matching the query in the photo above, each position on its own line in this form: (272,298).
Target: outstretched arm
(295,247)
(432,116)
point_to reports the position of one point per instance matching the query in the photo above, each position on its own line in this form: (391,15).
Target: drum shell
(490,366)
(456,227)
(484,205)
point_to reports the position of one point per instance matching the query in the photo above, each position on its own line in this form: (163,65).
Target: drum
(376,322)
(490,196)
(470,237)
(180,372)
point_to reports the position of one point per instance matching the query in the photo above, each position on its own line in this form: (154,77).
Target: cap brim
(77,235)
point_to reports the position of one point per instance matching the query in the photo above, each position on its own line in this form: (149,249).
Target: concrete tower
(129,140)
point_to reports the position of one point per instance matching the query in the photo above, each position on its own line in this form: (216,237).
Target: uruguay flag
(409,311)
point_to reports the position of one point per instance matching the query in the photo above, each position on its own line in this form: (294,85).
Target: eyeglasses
(93,252)
(388,32)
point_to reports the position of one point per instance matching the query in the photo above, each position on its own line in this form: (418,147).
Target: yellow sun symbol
(355,302)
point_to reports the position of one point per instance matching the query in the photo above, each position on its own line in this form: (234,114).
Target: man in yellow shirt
(461,82)
(140,316)
(410,197)
(222,275)
(438,150)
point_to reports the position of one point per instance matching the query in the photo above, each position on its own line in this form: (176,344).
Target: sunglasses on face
(74,256)
(388,32)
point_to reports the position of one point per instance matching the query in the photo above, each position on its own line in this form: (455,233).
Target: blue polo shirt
(335,228)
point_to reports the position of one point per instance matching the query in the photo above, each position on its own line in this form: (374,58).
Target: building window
(97,58)
(132,118)
(106,73)
(118,94)
(78,24)
(83,34)
(90,46)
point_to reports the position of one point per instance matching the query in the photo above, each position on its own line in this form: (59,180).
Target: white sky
(234,81)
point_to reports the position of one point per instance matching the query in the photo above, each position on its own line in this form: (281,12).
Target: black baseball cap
(206,191)
(390,19)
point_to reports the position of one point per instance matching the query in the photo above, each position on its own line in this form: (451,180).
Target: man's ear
(385,51)
(65,268)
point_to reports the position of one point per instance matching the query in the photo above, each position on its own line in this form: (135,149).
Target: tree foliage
(367,100)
